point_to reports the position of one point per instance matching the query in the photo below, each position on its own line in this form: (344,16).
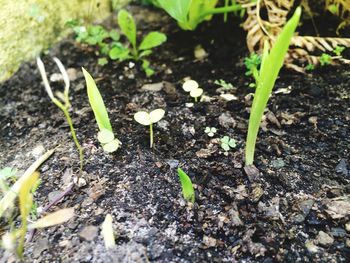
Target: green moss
(30,26)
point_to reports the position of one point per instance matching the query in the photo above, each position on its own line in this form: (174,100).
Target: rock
(88,233)
(226,120)
(324,239)
(209,241)
(278,163)
(228,97)
(338,232)
(200,53)
(252,172)
(347,226)
(38,151)
(306,205)
(173,163)
(338,208)
(40,246)
(153,87)
(52,196)
(204,153)
(311,247)
(342,168)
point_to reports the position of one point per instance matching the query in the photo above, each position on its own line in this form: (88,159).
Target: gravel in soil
(294,209)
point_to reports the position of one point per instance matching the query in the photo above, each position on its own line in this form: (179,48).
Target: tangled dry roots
(303,49)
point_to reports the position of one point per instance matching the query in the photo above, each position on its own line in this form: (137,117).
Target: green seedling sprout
(222,83)
(227,143)
(137,52)
(192,87)
(148,119)
(338,50)
(325,59)
(270,66)
(210,131)
(65,104)
(105,135)
(187,187)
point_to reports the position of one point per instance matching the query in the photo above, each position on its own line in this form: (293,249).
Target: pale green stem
(195,99)
(75,139)
(220,10)
(151,135)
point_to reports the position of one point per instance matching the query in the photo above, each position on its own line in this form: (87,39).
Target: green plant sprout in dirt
(137,52)
(65,104)
(109,43)
(252,64)
(192,87)
(187,186)
(190,13)
(270,66)
(148,119)
(13,240)
(210,131)
(105,135)
(325,59)
(223,84)
(227,143)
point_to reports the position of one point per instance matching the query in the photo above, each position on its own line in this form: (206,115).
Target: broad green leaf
(270,67)
(143,118)
(119,52)
(176,9)
(156,115)
(97,103)
(127,25)
(7,172)
(186,184)
(113,34)
(105,136)
(107,232)
(111,146)
(152,40)
(54,218)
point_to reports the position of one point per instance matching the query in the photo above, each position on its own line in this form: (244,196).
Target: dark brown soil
(293,211)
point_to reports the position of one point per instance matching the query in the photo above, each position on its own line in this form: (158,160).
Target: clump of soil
(295,209)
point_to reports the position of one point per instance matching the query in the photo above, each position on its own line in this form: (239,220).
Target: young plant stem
(220,10)
(71,127)
(151,135)
(195,99)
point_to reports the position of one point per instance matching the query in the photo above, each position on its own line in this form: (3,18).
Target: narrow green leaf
(97,103)
(128,26)
(270,67)
(187,187)
(152,40)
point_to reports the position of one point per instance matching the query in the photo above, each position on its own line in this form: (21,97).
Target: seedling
(148,119)
(325,59)
(136,52)
(227,143)
(187,187)
(105,136)
(252,64)
(109,45)
(210,131)
(310,67)
(190,13)
(222,83)
(338,50)
(192,87)
(270,66)
(64,104)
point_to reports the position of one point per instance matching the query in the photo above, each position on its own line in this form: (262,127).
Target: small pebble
(88,233)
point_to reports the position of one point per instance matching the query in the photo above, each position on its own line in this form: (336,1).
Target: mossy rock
(30,26)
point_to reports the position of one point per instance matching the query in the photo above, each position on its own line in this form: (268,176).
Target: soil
(294,209)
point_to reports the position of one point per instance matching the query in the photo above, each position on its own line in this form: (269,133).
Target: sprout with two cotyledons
(148,119)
